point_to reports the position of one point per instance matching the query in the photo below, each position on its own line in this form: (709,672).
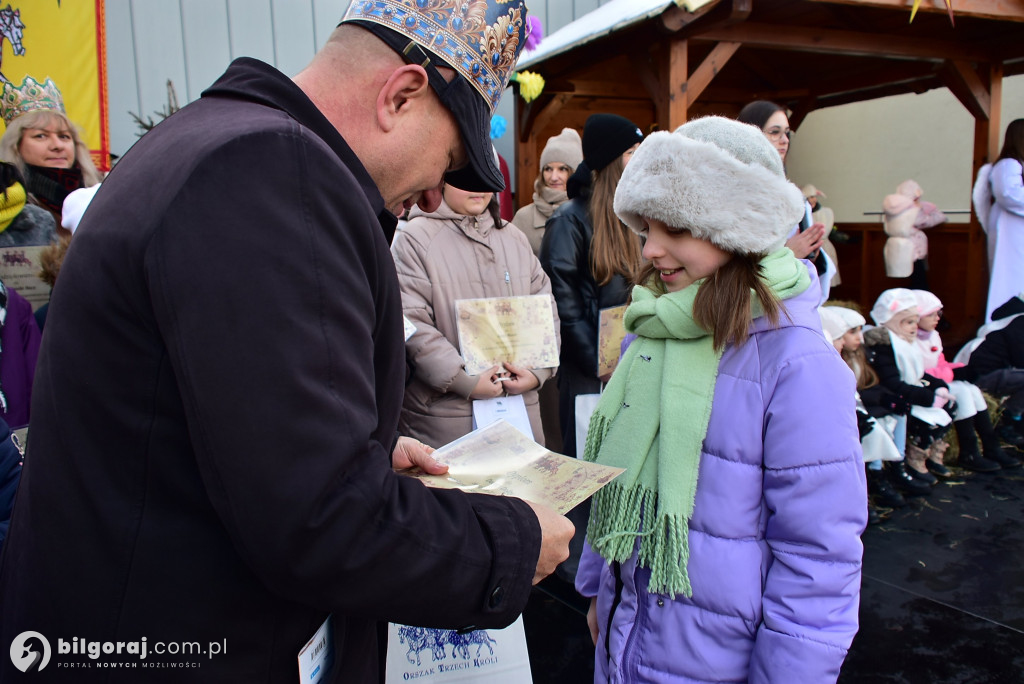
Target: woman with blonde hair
(43,143)
(558,161)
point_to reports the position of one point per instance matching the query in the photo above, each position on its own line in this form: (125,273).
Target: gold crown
(31,96)
(481,39)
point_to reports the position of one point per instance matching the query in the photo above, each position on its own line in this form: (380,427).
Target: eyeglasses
(776,133)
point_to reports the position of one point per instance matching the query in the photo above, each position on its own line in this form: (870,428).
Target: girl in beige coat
(461,251)
(561,155)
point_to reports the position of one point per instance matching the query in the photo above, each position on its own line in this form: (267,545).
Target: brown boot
(916,459)
(936,456)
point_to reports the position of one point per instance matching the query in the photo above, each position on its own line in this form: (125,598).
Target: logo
(30,651)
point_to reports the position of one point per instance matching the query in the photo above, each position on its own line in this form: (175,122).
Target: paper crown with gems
(481,39)
(29,97)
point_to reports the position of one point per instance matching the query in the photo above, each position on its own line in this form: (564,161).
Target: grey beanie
(720,179)
(566,147)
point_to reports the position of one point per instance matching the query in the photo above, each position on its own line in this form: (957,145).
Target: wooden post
(986,149)
(677,78)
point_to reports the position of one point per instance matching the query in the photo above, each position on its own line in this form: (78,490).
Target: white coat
(1005,225)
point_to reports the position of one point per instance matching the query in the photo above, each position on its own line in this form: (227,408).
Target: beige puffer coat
(442,257)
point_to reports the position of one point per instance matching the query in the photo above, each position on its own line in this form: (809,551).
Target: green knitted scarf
(652,420)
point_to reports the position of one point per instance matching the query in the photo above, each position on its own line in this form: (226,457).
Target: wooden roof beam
(708,69)
(853,43)
(963,81)
(1004,10)
(676,18)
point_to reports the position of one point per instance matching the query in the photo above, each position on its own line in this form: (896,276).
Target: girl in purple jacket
(729,550)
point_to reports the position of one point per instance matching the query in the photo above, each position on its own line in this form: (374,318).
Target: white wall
(858,153)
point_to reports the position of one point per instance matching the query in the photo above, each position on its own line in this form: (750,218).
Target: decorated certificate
(519,330)
(19,269)
(499,459)
(610,332)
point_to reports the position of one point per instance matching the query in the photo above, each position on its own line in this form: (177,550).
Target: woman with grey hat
(561,155)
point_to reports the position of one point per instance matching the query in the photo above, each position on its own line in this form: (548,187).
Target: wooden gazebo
(659,65)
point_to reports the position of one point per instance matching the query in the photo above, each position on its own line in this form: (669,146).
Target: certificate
(19,269)
(519,330)
(610,332)
(499,459)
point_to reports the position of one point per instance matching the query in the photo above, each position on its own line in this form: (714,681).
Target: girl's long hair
(615,249)
(1013,144)
(722,304)
(857,360)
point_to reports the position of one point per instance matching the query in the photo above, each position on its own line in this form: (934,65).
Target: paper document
(499,459)
(519,330)
(610,332)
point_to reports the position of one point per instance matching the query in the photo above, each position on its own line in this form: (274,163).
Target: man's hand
(411,452)
(487,385)
(808,242)
(519,380)
(556,531)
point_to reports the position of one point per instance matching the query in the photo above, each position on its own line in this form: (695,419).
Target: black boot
(993,450)
(900,475)
(973,460)
(882,490)
(970,458)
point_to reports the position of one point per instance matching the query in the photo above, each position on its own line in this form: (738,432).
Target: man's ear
(407,86)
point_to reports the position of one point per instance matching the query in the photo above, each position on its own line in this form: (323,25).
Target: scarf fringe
(616,516)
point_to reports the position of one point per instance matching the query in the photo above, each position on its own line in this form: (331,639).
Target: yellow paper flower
(531,85)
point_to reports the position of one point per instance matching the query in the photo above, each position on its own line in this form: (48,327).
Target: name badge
(317,655)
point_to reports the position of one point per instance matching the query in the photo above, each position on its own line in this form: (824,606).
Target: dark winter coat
(217,402)
(1003,348)
(880,355)
(565,256)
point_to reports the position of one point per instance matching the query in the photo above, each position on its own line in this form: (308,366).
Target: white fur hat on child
(718,178)
(891,302)
(832,323)
(927,302)
(851,319)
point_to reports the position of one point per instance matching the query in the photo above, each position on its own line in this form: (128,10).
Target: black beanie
(607,136)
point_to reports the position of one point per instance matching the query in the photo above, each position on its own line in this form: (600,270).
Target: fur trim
(744,208)
(877,336)
(981,196)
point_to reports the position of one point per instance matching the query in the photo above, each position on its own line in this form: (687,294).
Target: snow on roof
(607,18)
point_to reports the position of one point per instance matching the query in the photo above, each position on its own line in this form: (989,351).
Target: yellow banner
(63,40)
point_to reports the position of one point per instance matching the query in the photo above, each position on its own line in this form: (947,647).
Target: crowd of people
(227,392)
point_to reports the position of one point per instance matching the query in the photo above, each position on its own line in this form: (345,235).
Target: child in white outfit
(971,413)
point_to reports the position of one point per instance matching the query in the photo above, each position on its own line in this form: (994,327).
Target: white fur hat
(75,205)
(851,319)
(891,302)
(718,178)
(927,302)
(832,323)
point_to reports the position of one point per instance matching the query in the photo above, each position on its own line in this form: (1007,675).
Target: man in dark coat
(214,422)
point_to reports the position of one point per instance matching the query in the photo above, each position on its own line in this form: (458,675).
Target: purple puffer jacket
(775,551)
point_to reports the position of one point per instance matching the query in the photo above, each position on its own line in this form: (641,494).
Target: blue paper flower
(498,126)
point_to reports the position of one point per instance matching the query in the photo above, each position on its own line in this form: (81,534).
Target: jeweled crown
(481,39)
(29,97)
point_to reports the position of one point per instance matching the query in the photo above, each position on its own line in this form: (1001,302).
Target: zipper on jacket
(508,283)
(638,623)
